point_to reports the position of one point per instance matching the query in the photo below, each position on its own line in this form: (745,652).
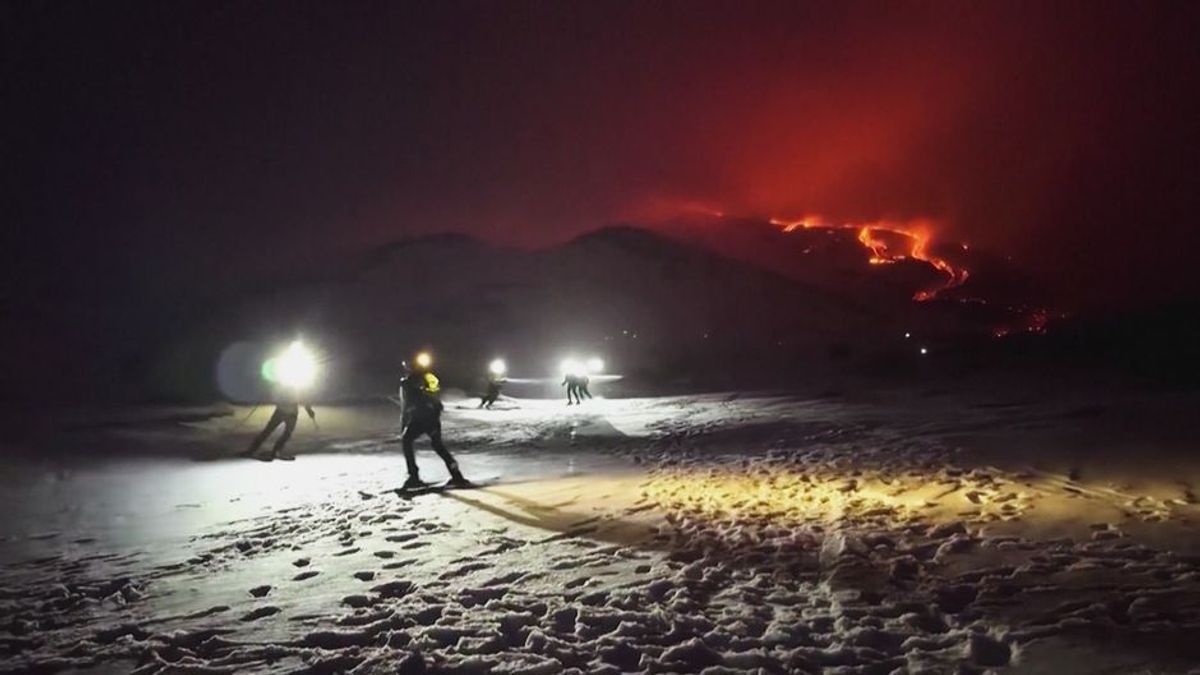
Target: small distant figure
(572,380)
(495,382)
(422,416)
(287,412)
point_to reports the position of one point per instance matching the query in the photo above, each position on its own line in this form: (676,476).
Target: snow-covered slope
(717,534)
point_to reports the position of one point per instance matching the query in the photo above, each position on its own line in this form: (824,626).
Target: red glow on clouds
(1032,129)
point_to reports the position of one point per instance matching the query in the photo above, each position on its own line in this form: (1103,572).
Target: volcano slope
(717,534)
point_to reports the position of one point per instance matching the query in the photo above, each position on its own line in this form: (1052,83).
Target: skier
(495,382)
(287,411)
(421,416)
(581,389)
(571,380)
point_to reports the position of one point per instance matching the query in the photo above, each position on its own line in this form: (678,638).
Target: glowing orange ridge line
(917,235)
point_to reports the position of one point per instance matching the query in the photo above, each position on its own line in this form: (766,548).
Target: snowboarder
(422,416)
(571,380)
(287,411)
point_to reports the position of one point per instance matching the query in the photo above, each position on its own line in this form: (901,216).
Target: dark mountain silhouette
(696,300)
(655,307)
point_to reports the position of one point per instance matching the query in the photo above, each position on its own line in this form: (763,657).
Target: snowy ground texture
(712,534)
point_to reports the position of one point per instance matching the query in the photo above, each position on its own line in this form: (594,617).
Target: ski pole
(249,414)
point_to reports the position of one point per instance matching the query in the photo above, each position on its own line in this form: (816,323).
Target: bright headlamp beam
(498,367)
(423,360)
(571,367)
(578,368)
(294,368)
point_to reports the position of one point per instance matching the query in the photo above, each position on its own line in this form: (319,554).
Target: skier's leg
(276,420)
(435,438)
(406,441)
(289,425)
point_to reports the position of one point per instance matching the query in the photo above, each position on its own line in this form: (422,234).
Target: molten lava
(881,237)
(888,241)
(1030,320)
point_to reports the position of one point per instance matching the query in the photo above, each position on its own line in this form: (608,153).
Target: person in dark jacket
(495,382)
(287,412)
(571,380)
(422,416)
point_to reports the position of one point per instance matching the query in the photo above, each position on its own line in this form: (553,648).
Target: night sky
(174,147)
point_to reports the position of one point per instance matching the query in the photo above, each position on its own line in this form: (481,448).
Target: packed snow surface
(715,534)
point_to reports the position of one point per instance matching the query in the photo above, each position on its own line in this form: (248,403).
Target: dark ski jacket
(419,402)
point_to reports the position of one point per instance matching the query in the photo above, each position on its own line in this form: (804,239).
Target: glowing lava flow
(915,233)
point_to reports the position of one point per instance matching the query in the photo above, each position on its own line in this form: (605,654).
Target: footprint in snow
(464,570)
(260,612)
(357,601)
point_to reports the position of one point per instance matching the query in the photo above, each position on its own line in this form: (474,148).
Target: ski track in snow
(756,535)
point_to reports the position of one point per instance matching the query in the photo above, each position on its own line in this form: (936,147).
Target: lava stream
(915,233)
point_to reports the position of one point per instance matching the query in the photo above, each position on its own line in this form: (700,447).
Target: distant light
(423,360)
(907,335)
(571,367)
(595,365)
(295,367)
(924,351)
(498,367)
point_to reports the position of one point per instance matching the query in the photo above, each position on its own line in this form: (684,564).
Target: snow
(711,534)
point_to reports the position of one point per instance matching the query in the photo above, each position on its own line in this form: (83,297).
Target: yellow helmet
(432,385)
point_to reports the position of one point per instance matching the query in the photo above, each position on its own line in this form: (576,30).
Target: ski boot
(456,478)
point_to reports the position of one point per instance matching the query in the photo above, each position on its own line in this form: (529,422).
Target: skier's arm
(308,408)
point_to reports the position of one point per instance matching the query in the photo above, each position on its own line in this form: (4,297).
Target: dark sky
(173,145)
